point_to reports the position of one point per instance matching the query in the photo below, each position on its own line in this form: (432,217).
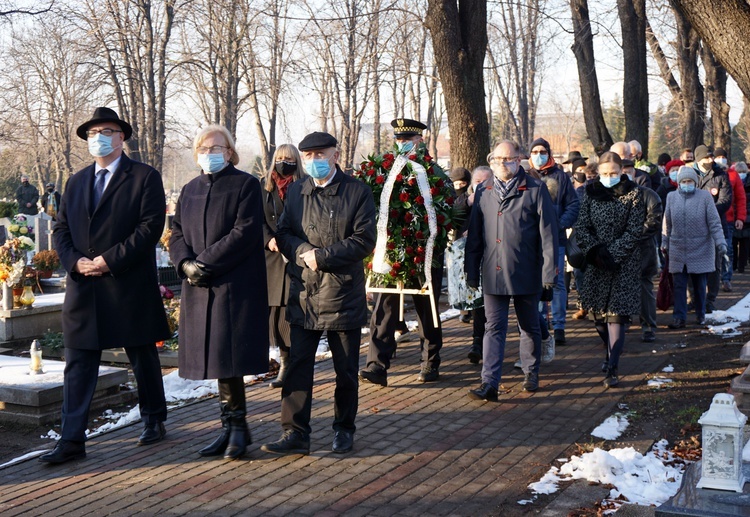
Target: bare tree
(632,14)
(133,38)
(583,49)
(716,95)
(459,42)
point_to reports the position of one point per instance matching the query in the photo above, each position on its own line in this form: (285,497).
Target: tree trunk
(723,26)
(583,49)
(716,94)
(635,84)
(459,41)
(693,100)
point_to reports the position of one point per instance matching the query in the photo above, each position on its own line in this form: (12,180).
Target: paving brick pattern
(420,449)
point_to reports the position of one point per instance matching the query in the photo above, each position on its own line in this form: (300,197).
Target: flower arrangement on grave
(13,259)
(46,261)
(19,227)
(414,198)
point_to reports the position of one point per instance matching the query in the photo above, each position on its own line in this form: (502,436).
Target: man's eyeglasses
(214,149)
(542,152)
(105,132)
(501,159)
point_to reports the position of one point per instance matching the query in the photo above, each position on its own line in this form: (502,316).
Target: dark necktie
(99,186)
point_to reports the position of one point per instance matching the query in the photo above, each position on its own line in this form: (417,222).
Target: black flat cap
(317,140)
(407,127)
(104,115)
(628,163)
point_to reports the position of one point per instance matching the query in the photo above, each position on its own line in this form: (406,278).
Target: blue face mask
(100,145)
(212,163)
(318,168)
(609,182)
(405,147)
(673,176)
(687,187)
(743,175)
(539,160)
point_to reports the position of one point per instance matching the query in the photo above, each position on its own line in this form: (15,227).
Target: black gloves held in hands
(196,273)
(473,283)
(547,291)
(600,257)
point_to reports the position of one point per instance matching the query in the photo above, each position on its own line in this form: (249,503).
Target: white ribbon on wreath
(379,262)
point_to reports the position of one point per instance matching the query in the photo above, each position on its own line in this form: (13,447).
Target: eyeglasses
(214,149)
(542,152)
(501,159)
(106,132)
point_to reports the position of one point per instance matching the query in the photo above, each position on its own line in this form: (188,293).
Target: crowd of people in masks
(281,261)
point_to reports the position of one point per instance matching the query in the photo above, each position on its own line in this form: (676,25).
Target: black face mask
(285,168)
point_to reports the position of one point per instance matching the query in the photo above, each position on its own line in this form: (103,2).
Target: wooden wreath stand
(401,291)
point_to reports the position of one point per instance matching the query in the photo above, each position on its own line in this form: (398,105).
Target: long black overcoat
(338,221)
(278,278)
(224,327)
(122,308)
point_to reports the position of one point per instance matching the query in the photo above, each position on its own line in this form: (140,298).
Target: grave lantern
(36,366)
(722,445)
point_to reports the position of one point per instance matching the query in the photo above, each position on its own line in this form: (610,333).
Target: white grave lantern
(722,445)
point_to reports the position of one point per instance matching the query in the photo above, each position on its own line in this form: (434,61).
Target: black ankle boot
(219,445)
(475,354)
(278,382)
(239,435)
(612,379)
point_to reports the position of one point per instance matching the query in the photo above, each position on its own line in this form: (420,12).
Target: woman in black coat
(217,247)
(286,168)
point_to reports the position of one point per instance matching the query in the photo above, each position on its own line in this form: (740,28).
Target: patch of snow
(740,311)
(726,330)
(32,454)
(524,502)
(450,313)
(668,369)
(658,382)
(612,427)
(648,479)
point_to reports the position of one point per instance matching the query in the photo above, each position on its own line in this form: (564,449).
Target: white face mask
(506,170)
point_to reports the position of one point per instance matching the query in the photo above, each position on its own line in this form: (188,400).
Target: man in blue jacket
(566,205)
(512,240)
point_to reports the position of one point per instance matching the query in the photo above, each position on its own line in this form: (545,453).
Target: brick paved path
(420,449)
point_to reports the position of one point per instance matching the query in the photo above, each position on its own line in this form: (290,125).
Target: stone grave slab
(167,358)
(44,315)
(706,502)
(37,399)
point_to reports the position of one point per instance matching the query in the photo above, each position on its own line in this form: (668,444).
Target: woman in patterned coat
(609,227)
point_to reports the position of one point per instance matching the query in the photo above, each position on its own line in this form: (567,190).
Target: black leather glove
(547,291)
(196,273)
(473,283)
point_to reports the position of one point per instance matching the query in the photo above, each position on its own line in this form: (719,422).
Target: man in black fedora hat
(111,217)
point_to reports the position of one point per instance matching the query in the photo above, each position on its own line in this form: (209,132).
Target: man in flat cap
(110,219)
(326,230)
(27,196)
(408,135)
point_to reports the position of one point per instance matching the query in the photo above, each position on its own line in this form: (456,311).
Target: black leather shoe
(218,446)
(428,374)
(700,321)
(373,375)
(648,337)
(710,308)
(475,354)
(485,392)
(152,433)
(64,451)
(291,442)
(677,324)
(343,441)
(560,337)
(531,382)
(611,380)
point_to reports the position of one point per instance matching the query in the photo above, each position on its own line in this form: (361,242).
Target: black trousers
(279,329)
(385,319)
(82,374)
(296,394)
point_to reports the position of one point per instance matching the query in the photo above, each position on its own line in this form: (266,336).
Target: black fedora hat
(574,155)
(104,115)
